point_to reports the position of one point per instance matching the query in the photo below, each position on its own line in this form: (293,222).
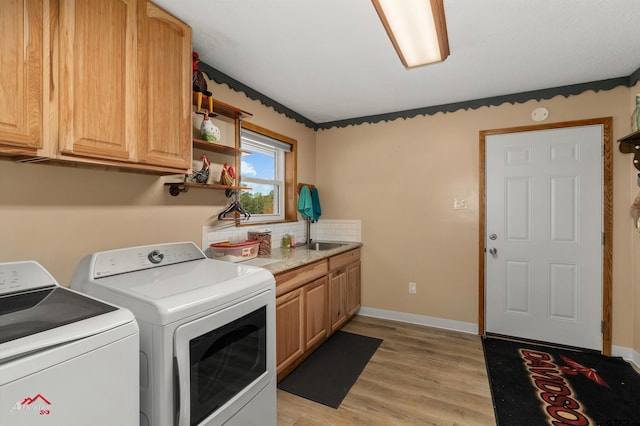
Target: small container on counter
(234,252)
(286,241)
(264,238)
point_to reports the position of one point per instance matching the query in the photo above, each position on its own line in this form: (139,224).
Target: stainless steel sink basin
(319,246)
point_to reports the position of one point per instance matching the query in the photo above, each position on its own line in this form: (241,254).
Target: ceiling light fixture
(417,29)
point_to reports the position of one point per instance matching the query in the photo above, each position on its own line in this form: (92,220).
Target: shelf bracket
(631,144)
(175,189)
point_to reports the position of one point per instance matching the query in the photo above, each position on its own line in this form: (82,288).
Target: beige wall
(56,215)
(400,178)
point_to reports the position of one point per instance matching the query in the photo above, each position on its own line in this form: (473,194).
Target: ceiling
(331,60)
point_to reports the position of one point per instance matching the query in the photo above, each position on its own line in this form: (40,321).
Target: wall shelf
(220,149)
(206,104)
(175,188)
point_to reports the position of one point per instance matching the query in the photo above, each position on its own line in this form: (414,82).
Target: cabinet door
(98,78)
(21,75)
(353,288)
(289,328)
(164,57)
(316,295)
(337,286)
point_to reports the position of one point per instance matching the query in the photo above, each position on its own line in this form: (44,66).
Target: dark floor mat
(538,385)
(329,372)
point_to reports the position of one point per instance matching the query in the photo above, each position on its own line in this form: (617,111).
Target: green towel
(305,206)
(315,201)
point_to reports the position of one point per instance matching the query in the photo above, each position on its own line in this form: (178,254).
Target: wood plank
(418,376)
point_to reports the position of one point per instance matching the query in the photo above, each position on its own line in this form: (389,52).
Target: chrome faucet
(308,230)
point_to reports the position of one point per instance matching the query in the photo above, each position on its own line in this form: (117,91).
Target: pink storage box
(234,252)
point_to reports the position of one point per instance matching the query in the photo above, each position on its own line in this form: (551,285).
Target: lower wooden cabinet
(337,290)
(313,302)
(353,289)
(290,342)
(344,288)
(316,295)
(301,321)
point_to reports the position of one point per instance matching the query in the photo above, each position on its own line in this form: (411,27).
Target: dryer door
(224,359)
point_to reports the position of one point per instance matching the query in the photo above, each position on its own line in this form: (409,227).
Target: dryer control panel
(122,261)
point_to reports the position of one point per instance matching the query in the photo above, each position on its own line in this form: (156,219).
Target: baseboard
(628,354)
(625,353)
(465,327)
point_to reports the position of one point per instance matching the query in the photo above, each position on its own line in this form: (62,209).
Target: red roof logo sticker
(37,405)
(30,401)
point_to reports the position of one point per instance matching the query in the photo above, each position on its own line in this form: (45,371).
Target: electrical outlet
(412,288)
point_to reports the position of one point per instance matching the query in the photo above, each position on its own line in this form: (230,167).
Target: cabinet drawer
(343,259)
(293,279)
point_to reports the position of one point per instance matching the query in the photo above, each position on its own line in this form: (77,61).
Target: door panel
(544,206)
(518,286)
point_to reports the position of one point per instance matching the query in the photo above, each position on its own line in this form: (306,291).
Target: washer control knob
(155,257)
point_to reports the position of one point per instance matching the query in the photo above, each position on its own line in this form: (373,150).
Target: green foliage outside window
(257,203)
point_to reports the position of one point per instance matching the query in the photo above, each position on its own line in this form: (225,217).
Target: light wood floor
(418,376)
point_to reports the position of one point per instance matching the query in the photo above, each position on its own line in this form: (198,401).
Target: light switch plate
(459,204)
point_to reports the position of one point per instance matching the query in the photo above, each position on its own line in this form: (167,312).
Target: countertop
(283,259)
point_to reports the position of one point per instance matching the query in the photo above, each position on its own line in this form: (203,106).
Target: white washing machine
(65,358)
(207,332)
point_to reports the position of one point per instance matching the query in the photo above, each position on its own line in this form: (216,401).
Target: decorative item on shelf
(202,175)
(209,131)
(228,175)
(199,87)
(635,118)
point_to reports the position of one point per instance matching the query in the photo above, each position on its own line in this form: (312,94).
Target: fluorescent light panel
(417,29)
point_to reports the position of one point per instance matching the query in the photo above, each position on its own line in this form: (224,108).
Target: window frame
(289,178)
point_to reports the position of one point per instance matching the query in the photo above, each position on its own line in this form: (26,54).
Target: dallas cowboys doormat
(545,385)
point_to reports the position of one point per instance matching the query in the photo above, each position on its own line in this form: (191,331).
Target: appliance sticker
(37,405)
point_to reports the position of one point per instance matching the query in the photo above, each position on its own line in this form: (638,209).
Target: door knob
(493,251)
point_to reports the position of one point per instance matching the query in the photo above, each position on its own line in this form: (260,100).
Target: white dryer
(65,358)
(207,332)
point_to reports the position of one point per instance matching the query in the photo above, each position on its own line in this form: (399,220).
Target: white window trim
(253,141)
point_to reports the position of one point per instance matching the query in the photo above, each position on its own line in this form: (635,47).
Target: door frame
(607,217)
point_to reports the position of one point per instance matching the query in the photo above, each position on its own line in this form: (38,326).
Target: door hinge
(602,326)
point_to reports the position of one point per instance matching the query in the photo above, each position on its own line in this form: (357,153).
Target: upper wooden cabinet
(22,53)
(98,78)
(117,93)
(165,130)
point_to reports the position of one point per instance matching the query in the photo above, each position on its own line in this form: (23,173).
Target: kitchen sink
(319,246)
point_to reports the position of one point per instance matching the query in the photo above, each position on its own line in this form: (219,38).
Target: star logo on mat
(573,368)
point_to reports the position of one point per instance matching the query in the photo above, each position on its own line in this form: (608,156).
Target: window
(267,171)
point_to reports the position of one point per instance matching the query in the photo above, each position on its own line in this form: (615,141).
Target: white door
(543,260)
